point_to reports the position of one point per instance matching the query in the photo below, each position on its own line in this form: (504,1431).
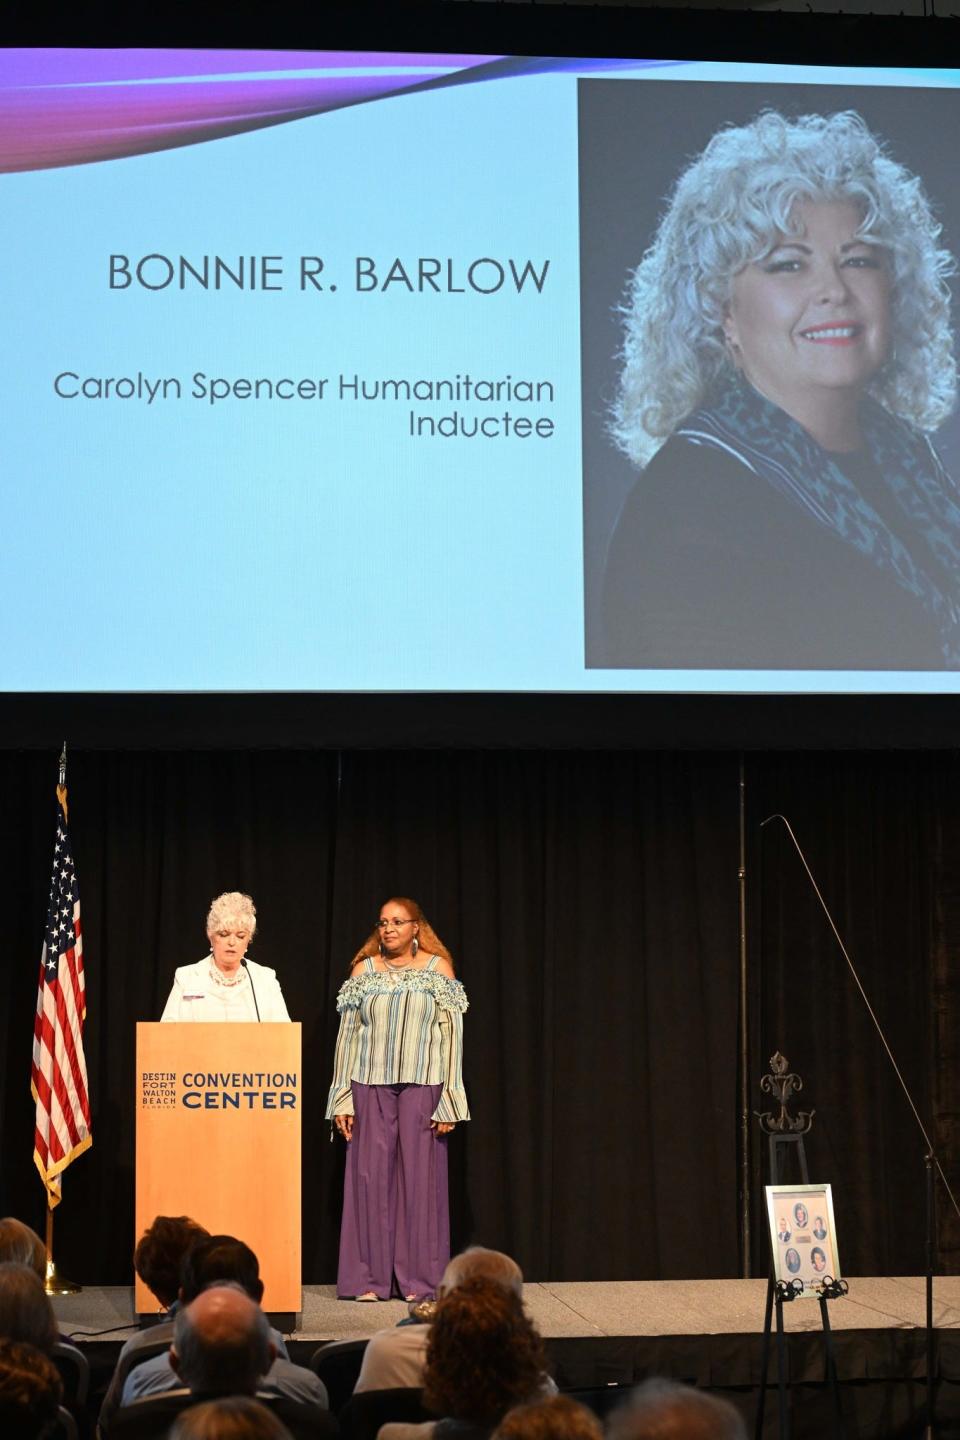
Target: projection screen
(372,372)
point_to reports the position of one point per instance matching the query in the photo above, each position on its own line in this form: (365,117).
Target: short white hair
(232,910)
(666,1410)
(479,1263)
(725,213)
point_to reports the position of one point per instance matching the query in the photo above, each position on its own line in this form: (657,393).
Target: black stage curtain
(881,834)
(591,902)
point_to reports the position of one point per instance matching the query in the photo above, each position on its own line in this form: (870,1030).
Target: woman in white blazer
(225,985)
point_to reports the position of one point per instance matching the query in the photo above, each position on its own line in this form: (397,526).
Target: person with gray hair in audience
(397,1356)
(666,1410)
(221,1343)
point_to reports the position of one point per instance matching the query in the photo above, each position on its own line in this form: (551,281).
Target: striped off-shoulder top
(401,1027)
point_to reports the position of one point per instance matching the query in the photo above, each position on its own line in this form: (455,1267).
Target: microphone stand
(253,988)
(931,1161)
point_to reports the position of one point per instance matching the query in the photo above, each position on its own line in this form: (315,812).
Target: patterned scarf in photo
(738,420)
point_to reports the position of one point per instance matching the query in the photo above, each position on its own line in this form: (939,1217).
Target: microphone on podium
(253,990)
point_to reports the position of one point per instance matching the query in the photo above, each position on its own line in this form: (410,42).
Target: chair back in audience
(362,1416)
(152,1417)
(601,1399)
(147,1350)
(65,1428)
(74,1371)
(337,1364)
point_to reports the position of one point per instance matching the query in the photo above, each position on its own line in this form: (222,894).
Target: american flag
(59,1071)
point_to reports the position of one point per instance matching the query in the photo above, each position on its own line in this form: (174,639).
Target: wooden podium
(218,1139)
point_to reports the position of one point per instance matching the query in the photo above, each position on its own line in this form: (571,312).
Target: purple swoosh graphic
(73,107)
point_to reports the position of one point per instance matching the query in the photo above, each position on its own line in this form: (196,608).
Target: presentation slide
(334,372)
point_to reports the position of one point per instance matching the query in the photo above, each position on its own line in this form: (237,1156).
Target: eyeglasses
(382,924)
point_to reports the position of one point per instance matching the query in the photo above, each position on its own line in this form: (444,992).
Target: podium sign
(218,1139)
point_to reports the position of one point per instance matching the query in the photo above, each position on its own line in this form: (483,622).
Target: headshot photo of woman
(792,1260)
(787,357)
(397,1092)
(225,985)
(800,1215)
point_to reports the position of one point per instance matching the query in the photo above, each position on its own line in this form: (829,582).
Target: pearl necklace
(219,978)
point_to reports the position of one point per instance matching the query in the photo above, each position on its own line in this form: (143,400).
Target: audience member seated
(364,1415)
(31,1316)
(25,1309)
(30,1391)
(219,1260)
(160,1253)
(555,1418)
(213,1260)
(337,1362)
(221,1343)
(397,1356)
(665,1410)
(26,1313)
(221,1346)
(235,1418)
(483,1357)
(23,1246)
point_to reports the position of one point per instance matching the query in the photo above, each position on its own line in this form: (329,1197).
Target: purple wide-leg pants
(396,1216)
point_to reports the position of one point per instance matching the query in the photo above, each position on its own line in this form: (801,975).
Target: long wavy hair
(429,940)
(483,1356)
(726,212)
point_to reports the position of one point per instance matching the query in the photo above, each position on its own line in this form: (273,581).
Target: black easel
(783,1132)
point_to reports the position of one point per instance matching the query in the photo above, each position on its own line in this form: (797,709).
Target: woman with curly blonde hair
(484,1356)
(788,349)
(397,1092)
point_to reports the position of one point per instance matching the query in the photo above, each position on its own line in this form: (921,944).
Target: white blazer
(195,995)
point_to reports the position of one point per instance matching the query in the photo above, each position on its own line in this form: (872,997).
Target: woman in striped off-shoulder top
(397,1093)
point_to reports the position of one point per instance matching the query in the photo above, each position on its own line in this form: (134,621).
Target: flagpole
(55,1283)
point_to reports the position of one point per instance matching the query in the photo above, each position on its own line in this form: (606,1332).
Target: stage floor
(604,1338)
(570,1309)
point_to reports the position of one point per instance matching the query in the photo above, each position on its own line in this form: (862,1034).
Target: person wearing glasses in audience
(397,1092)
(225,985)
